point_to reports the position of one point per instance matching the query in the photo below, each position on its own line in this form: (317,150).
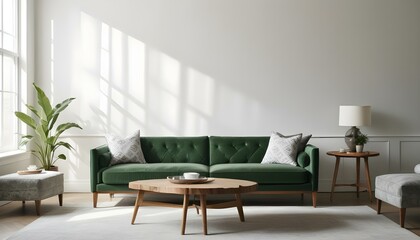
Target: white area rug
(261,222)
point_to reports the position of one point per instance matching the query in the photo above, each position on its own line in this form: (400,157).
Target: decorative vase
(359,148)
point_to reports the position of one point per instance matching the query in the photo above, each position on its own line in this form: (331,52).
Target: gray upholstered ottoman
(15,187)
(401,190)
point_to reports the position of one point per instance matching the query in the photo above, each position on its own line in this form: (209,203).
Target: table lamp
(354,116)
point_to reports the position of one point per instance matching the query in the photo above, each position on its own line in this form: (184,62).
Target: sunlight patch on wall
(52,79)
(164,95)
(200,91)
(91,31)
(200,97)
(103,103)
(136,86)
(136,70)
(165,71)
(73,159)
(195,123)
(117,61)
(104,85)
(105,52)
(117,112)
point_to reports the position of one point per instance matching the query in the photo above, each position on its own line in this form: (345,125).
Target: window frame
(17,86)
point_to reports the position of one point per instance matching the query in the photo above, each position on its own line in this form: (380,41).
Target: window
(9,77)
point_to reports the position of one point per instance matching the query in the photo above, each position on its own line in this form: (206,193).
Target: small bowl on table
(191,175)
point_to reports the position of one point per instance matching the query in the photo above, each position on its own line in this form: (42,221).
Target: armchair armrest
(313,166)
(100,158)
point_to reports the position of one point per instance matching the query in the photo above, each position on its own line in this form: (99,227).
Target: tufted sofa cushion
(176,149)
(261,173)
(237,149)
(125,173)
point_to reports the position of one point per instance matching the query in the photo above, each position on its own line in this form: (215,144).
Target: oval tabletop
(353,154)
(218,186)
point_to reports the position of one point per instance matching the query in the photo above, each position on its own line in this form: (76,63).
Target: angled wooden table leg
(357,176)
(139,201)
(203,203)
(184,212)
(239,206)
(337,165)
(367,173)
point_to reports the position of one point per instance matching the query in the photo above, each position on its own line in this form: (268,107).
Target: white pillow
(417,168)
(125,150)
(282,149)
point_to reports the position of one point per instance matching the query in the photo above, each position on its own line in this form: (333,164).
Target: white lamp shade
(354,116)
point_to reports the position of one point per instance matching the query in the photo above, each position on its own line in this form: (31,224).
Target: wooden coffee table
(218,186)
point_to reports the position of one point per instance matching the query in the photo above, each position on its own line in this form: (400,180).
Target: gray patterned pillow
(282,149)
(126,150)
(303,141)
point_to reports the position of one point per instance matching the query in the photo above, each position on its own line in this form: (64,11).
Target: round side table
(355,155)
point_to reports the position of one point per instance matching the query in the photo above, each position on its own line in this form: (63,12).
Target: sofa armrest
(100,158)
(313,166)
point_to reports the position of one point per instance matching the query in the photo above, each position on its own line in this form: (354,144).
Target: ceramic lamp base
(350,138)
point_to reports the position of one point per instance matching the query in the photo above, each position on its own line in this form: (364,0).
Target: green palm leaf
(63,127)
(26,119)
(33,109)
(43,101)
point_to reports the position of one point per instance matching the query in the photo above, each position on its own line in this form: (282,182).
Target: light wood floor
(13,216)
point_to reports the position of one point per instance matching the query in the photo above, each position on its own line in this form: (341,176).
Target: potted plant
(361,140)
(46,137)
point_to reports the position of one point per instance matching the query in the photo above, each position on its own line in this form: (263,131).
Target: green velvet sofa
(214,156)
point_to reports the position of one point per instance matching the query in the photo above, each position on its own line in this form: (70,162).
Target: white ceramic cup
(191,175)
(32,167)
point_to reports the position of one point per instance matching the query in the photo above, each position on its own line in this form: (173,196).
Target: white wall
(231,67)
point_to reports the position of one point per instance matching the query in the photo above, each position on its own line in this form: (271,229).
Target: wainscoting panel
(409,155)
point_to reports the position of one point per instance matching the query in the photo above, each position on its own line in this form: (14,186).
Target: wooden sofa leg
(95,199)
(378,206)
(314,199)
(402,216)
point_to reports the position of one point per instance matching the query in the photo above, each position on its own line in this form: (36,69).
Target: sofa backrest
(176,149)
(237,149)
